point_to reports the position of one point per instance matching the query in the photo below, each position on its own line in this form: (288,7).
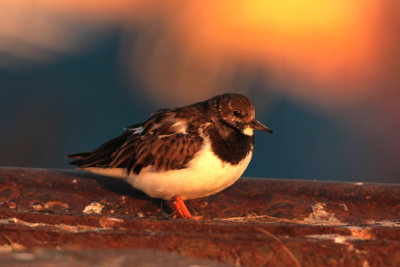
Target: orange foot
(182,210)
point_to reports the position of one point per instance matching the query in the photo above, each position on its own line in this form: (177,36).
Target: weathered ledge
(256,222)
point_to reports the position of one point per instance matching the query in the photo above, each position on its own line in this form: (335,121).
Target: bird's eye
(236,113)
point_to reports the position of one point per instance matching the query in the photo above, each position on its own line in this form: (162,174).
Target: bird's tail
(78,158)
(78,155)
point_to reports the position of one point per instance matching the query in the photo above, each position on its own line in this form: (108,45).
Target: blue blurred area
(66,107)
(83,100)
(305,145)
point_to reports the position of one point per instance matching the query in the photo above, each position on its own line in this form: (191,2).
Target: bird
(181,153)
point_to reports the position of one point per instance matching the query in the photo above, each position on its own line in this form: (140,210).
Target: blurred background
(325,75)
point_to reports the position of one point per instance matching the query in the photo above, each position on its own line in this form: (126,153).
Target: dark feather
(170,138)
(78,155)
(157,145)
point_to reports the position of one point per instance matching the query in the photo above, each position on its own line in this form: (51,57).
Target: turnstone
(182,153)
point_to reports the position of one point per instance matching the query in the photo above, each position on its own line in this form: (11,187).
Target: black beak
(255,124)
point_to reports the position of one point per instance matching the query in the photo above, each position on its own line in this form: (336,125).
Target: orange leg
(181,208)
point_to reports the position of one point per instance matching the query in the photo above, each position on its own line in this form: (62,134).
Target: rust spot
(11,204)
(36,205)
(8,192)
(343,207)
(110,222)
(362,233)
(55,204)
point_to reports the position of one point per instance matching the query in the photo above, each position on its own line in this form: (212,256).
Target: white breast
(205,175)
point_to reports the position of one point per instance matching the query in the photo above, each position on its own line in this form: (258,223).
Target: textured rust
(121,258)
(256,222)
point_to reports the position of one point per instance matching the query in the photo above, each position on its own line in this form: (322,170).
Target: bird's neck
(229,144)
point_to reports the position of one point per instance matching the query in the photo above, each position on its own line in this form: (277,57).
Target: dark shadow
(116,185)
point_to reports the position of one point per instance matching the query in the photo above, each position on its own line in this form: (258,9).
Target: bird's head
(237,111)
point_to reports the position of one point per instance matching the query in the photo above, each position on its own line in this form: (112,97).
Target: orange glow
(310,40)
(331,51)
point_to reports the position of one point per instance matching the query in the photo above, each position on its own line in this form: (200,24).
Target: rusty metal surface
(112,258)
(256,222)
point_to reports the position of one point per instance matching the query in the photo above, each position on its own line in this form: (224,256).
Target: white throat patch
(248,131)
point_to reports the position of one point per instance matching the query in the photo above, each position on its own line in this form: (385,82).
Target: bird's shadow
(118,186)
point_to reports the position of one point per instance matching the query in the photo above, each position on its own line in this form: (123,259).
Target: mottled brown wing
(166,153)
(166,142)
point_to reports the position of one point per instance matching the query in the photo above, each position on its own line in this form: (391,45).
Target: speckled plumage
(192,151)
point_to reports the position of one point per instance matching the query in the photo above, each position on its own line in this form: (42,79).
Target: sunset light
(336,60)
